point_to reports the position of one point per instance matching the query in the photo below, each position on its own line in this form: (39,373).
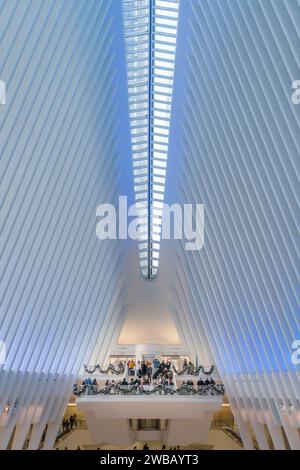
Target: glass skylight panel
(150,29)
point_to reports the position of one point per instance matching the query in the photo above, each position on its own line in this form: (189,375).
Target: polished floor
(217,440)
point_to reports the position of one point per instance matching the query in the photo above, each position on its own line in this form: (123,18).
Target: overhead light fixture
(150,28)
(6,408)
(11,410)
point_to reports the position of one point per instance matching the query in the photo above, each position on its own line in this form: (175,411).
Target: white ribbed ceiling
(240,148)
(65,148)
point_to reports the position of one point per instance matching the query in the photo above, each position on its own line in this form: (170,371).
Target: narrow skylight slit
(150,29)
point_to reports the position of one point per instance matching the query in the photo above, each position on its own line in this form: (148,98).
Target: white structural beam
(277,437)
(238,153)
(60,158)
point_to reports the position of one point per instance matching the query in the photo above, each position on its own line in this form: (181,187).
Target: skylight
(150,28)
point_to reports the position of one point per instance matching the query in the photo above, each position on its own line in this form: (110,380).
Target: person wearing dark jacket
(144,368)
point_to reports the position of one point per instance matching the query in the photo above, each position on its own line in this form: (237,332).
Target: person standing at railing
(149,371)
(131,366)
(139,370)
(107,387)
(171,383)
(155,366)
(144,368)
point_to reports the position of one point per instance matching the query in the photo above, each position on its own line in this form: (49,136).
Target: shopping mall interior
(119,330)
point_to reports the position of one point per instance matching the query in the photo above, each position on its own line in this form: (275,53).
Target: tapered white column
(36,436)
(51,434)
(20,436)
(277,437)
(244,431)
(5,436)
(292,434)
(260,434)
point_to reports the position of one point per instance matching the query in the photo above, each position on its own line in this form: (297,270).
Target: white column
(260,434)
(292,434)
(3,440)
(244,431)
(20,435)
(5,435)
(36,435)
(277,437)
(52,431)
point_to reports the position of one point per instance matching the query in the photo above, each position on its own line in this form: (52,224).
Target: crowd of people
(69,423)
(142,373)
(145,447)
(209,388)
(89,381)
(146,375)
(140,382)
(200,382)
(151,371)
(163,447)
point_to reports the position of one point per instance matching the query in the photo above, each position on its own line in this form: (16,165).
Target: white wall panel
(60,159)
(240,149)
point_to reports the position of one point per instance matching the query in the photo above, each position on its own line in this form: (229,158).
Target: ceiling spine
(150,28)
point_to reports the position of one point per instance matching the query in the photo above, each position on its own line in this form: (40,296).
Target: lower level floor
(217,440)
